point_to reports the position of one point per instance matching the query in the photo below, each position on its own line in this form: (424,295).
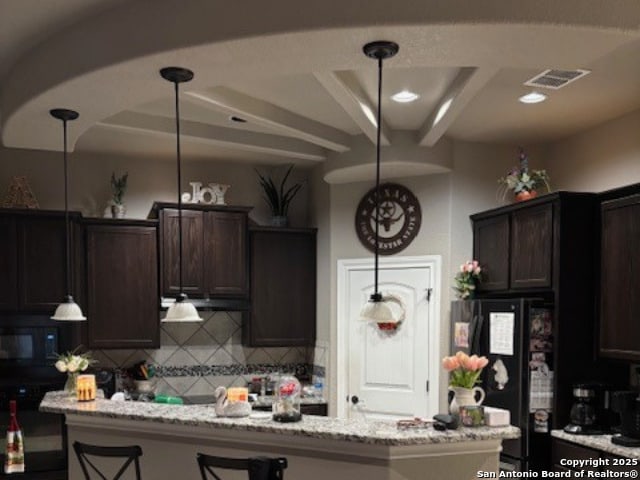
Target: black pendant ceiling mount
(376,310)
(68,310)
(181,310)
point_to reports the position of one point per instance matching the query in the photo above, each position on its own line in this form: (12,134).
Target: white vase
(118,211)
(464,396)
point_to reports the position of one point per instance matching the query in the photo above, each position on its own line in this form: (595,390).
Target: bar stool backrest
(259,468)
(130,454)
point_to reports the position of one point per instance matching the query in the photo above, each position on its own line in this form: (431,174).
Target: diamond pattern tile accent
(201,387)
(221,357)
(125,358)
(221,327)
(293,355)
(180,332)
(163,387)
(181,384)
(181,358)
(260,355)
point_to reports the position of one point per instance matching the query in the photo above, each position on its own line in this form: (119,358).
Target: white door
(388,373)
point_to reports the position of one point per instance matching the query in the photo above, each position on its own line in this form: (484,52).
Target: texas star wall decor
(399,218)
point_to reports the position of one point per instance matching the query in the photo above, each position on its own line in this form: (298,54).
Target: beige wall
(598,159)
(149,180)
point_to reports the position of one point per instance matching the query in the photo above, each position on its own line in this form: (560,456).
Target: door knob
(355,399)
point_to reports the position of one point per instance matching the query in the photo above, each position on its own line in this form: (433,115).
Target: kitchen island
(316,447)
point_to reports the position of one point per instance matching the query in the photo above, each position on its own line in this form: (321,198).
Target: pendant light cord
(66,211)
(180,295)
(377,192)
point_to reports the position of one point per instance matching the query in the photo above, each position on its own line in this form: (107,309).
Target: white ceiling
(298,75)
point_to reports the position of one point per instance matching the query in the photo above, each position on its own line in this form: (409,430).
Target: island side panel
(169,451)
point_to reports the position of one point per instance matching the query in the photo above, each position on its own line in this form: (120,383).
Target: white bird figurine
(501,376)
(224,408)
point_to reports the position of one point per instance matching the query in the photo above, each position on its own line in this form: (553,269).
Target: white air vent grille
(556,79)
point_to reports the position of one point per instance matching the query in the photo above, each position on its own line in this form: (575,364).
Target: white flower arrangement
(72,362)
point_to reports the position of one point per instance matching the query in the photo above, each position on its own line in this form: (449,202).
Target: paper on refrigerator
(501,328)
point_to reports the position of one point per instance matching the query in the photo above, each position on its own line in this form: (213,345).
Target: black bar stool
(128,454)
(259,468)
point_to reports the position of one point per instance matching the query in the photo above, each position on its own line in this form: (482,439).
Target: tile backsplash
(195,358)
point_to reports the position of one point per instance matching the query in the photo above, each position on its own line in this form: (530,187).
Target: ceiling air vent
(556,79)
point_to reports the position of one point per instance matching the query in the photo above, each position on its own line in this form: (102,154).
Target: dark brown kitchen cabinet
(532,233)
(122,278)
(620,278)
(214,250)
(594,461)
(523,246)
(490,242)
(8,263)
(33,260)
(283,288)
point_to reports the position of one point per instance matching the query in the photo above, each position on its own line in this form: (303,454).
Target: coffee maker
(627,404)
(590,413)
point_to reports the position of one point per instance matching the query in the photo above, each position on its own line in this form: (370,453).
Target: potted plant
(118,188)
(277,197)
(467,279)
(524,182)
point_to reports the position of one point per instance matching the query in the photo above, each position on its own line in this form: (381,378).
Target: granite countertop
(268,400)
(598,442)
(361,431)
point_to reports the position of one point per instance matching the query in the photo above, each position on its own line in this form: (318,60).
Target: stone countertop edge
(360,431)
(598,442)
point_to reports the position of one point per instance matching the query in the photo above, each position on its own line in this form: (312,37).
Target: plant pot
(279,221)
(526,195)
(118,211)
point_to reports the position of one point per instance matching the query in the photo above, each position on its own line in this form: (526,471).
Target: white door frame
(345,266)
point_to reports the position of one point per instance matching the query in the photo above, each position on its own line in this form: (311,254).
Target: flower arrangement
(72,363)
(467,279)
(522,181)
(464,370)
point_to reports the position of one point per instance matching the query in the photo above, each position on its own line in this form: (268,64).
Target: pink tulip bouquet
(467,279)
(464,370)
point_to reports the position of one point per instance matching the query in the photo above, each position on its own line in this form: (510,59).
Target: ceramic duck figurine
(224,408)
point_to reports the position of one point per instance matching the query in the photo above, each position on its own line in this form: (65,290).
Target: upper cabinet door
(42,259)
(8,264)
(532,247)
(122,272)
(192,253)
(225,246)
(491,248)
(620,279)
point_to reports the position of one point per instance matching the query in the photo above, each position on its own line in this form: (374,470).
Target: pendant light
(376,309)
(181,310)
(67,311)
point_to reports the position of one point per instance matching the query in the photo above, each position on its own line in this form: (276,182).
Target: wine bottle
(14,458)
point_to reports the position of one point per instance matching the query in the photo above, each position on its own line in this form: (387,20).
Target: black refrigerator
(516,336)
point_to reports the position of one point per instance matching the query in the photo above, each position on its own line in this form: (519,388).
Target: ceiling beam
(464,87)
(264,113)
(218,136)
(347,91)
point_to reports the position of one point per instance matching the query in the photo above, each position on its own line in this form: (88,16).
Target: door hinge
(427,386)
(429,290)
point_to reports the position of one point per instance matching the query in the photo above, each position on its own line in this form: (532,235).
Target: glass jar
(286,408)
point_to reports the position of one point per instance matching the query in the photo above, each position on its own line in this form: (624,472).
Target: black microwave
(28,346)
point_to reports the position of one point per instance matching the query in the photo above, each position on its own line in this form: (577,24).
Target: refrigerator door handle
(476,328)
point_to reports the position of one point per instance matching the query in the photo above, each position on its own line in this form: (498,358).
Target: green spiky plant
(277,197)
(119,187)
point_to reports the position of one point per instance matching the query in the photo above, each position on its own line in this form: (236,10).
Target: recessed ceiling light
(533,97)
(233,118)
(405,96)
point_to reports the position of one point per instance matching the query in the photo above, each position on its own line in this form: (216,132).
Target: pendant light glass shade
(376,310)
(181,310)
(67,311)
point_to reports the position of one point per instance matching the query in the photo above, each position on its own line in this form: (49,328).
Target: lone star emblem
(399,219)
